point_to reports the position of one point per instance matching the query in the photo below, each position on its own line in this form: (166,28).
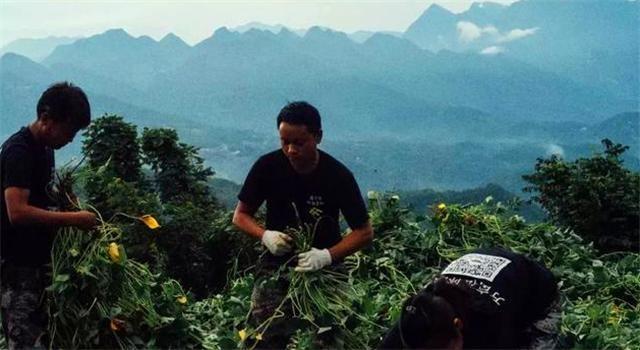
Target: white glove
(277,242)
(313,260)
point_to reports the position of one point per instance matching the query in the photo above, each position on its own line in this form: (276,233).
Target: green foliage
(103,299)
(183,237)
(138,300)
(420,199)
(191,245)
(110,140)
(597,197)
(599,292)
(179,172)
(221,316)
(112,178)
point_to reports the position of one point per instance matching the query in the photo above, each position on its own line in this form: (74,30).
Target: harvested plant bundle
(99,298)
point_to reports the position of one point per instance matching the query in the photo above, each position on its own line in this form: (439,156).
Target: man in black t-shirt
(300,185)
(28,224)
(491,298)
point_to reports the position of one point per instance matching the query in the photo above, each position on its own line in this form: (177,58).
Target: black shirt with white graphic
(28,165)
(315,199)
(509,293)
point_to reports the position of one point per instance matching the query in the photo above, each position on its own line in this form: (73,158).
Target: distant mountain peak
(259,35)
(258,31)
(37,49)
(116,33)
(285,32)
(223,33)
(437,10)
(317,32)
(14,57)
(173,40)
(170,37)
(389,40)
(258,25)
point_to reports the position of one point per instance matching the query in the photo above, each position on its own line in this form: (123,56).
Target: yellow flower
(182,299)
(440,211)
(150,221)
(259,336)
(243,334)
(114,252)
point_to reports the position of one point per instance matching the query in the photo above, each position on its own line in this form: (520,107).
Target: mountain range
(424,100)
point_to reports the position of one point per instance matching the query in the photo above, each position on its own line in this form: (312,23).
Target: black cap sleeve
(351,202)
(253,190)
(17,167)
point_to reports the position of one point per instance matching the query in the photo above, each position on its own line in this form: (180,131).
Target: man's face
(299,145)
(59,133)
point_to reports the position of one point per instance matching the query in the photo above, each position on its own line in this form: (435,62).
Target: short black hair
(65,102)
(301,113)
(426,320)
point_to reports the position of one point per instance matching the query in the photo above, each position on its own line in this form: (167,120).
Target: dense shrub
(596,197)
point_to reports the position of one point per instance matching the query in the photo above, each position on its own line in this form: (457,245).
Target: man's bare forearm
(247,223)
(28,215)
(351,243)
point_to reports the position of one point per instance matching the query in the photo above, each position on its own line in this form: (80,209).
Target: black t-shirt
(318,197)
(29,165)
(508,293)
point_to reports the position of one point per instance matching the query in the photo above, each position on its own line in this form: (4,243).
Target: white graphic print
(480,266)
(480,287)
(315,201)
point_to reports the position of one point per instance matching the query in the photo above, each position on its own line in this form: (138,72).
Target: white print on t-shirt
(315,212)
(315,201)
(478,286)
(479,266)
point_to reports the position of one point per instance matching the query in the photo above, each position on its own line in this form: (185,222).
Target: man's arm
(357,239)
(243,218)
(277,242)
(22,214)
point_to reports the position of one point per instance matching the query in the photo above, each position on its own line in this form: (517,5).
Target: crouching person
(491,298)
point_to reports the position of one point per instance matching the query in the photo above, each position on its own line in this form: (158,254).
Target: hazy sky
(194,20)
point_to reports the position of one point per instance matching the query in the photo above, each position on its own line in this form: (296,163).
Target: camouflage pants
(269,291)
(544,333)
(24,319)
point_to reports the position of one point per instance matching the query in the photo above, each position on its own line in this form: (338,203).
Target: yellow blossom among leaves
(259,336)
(182,299)
(242,334)
(150,221)
(114,252)
(442,206)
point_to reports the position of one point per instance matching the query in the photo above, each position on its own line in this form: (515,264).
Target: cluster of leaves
(155,173)
(100,298)
(103,299)
(599,292)
(596,197)
(180,173)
